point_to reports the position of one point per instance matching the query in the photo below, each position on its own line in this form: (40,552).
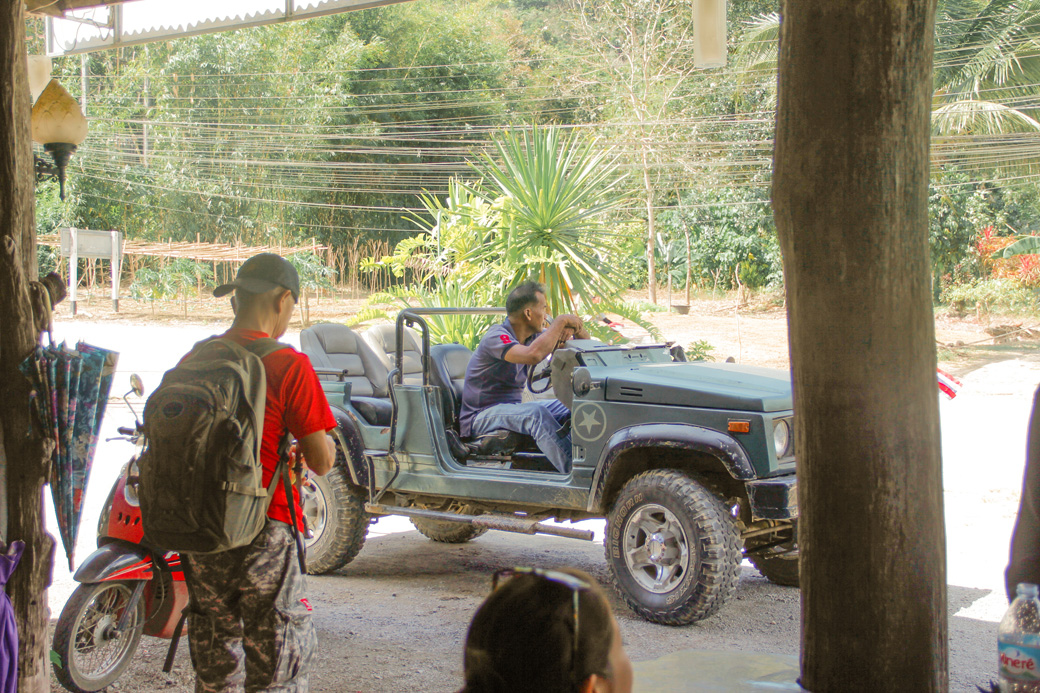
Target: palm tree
(987,64)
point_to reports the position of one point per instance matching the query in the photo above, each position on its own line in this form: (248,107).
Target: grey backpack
(201,480)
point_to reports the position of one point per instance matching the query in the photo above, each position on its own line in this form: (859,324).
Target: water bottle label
(1019,662)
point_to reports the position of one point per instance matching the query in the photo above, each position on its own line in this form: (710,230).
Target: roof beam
(58,8)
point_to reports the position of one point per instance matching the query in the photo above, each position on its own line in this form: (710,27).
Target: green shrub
(995,295)
(701,350)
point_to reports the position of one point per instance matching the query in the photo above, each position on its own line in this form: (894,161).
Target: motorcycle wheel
(89,654)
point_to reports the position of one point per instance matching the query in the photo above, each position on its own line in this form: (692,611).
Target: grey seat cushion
(382,339)
(337,347)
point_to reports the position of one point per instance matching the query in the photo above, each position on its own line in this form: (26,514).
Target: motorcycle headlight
(782,438)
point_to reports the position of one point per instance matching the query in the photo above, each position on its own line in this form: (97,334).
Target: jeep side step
(501,522)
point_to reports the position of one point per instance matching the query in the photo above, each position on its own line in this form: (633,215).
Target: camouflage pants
(249,623)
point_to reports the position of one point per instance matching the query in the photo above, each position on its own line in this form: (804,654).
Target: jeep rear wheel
(335,512)
(447,532)
(673,551)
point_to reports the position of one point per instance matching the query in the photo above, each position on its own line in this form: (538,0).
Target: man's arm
(319,452)
(543,344)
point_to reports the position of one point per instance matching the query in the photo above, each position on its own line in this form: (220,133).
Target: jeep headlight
(782,438)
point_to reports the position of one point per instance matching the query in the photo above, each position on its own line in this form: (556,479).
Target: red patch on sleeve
(506,339)
(307,604)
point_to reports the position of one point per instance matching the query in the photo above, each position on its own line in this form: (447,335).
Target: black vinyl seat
(448,364)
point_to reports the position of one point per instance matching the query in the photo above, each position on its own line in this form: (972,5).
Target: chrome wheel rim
(656,549)
(315,509)
(98,647)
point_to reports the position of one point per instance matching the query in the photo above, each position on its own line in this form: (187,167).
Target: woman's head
(522,637)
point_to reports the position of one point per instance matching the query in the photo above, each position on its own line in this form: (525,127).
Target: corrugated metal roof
(144,21)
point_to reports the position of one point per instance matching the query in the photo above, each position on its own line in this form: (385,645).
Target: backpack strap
(265,346)
(283,464)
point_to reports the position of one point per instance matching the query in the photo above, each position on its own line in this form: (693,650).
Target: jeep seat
(383,340)
(448,372)
(332,347)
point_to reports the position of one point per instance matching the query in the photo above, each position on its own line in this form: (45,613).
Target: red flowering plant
(1019,266)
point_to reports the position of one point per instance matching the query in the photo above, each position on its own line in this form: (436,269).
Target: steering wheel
(544,374)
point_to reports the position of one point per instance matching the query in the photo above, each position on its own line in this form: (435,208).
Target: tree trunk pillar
(24,455)
(850,198)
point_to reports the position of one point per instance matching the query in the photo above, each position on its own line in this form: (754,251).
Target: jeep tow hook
(504,523)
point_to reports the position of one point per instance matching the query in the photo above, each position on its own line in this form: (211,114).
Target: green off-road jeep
(691,464)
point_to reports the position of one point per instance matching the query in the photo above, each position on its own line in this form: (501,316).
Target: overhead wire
(301,153)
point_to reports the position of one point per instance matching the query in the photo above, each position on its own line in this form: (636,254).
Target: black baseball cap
(262,273)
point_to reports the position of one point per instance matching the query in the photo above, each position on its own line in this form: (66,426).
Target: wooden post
(73,268)
(25,455)
(116,266)
(851,206)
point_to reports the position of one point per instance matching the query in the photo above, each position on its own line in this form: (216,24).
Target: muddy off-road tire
(673,551)
(447,532)
(780,564)
(88,653)
(335,512)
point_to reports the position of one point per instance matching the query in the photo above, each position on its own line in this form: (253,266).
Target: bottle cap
(1027,589)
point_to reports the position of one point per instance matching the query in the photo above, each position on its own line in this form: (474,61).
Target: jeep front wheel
(335,513)
(673,551)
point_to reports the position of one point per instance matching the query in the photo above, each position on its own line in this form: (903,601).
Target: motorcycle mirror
(136,386)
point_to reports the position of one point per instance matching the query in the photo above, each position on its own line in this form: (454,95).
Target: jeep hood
(709,385)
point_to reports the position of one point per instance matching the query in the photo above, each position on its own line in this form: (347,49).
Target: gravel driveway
(394,619)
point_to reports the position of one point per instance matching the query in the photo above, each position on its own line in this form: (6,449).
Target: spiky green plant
(559,194)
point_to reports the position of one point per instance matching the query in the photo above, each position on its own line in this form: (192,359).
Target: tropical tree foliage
(556,194)
(988,66)
(363,126)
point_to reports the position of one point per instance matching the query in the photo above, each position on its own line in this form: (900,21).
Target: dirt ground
(394,619)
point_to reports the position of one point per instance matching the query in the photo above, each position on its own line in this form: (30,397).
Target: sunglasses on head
(575,584)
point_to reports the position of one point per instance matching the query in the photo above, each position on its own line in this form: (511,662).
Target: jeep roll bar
(412,317)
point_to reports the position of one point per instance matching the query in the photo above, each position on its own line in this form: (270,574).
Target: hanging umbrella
(69,391)
(87,404)
(67,368)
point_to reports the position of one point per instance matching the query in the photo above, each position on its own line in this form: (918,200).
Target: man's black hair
(523,296)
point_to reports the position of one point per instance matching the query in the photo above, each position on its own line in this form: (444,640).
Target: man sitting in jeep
(492,392)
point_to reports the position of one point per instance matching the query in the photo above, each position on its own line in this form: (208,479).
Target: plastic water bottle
(1018,643)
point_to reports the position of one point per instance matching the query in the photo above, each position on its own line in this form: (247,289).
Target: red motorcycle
(127,589)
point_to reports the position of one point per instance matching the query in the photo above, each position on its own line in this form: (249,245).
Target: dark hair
(521,639)
(523,296)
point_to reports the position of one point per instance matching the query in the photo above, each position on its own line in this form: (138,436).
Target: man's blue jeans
(540,419)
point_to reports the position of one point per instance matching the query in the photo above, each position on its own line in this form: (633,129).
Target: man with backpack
(249,623)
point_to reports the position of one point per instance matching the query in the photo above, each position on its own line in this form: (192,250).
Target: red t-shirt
(295,401)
